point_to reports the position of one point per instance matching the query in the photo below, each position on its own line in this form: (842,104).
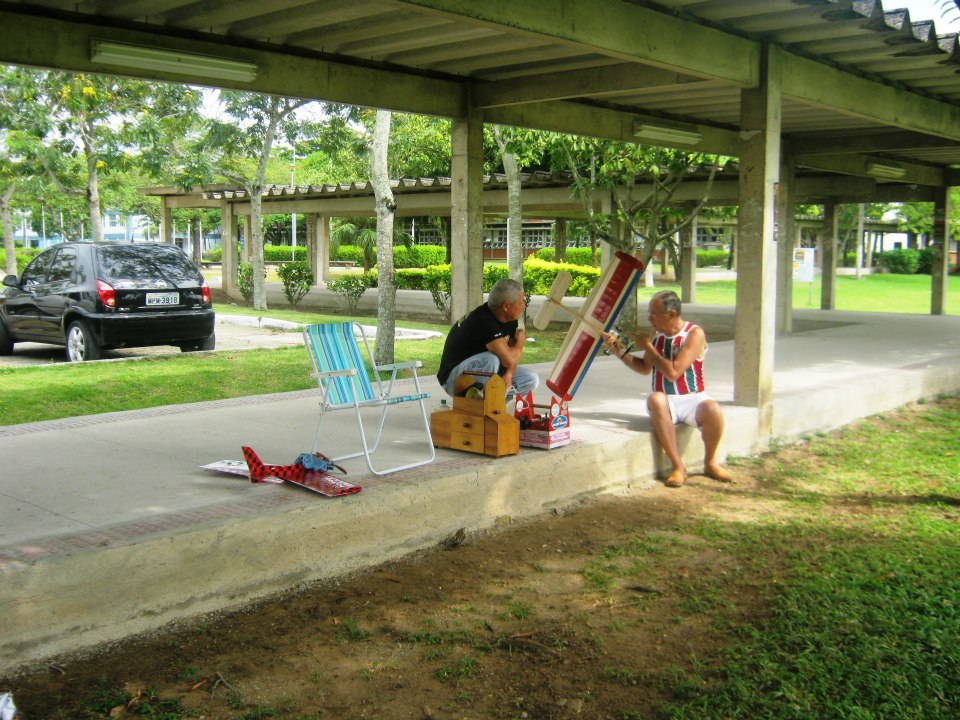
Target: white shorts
(683,408)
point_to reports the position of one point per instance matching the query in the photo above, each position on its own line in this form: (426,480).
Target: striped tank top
(692,380)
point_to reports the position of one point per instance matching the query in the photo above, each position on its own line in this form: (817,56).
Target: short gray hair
(668,301)
(504,291)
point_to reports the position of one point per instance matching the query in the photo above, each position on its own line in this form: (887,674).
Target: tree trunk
(386,207)
(93,207)
(514,209)
(8,244)
(255,190)
(93,191)
(198,244)
(256,247)
(560,240)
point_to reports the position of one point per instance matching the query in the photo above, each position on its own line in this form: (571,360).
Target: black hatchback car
(95,296)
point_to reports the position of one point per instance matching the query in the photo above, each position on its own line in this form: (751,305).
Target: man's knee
(657,401)
(525,380)
(709,411)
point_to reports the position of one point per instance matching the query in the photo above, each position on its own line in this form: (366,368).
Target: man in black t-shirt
(488,339)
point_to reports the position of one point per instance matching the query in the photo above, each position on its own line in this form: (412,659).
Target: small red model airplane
(317,481)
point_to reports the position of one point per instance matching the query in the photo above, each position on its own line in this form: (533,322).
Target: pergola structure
(545,195)
(843,87)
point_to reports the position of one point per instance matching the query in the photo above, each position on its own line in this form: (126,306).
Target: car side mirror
(11,281)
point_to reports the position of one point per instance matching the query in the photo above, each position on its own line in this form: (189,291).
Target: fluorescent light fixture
(893,172)
(173,61)
(665,133)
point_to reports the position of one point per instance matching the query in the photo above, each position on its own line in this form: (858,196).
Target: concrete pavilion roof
(862,82)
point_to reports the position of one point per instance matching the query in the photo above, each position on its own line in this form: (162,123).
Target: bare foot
(676,479)
(717,472)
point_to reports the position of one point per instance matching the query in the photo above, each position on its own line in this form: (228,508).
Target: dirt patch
(592,612)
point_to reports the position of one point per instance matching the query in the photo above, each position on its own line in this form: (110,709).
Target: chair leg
(368,450)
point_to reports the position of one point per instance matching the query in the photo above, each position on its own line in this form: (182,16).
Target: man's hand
(612,342)
(518,339)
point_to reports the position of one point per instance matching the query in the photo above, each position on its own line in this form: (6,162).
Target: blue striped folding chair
(345,384)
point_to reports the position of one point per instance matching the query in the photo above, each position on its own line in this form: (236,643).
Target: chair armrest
(334,373)
(408,365)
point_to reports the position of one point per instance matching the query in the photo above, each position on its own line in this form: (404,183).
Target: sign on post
(804,268)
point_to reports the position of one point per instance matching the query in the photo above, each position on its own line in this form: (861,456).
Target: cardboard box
(544,439)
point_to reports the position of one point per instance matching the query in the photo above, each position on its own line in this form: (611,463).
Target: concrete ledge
(63,599)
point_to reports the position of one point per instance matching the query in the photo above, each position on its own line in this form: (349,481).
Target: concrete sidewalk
(109,527)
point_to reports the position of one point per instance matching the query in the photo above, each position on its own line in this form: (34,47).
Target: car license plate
(163,298)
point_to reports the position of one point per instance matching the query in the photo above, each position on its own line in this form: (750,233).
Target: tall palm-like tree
(949,9)
(362,232)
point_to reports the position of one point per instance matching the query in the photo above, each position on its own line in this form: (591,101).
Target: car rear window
(145,262)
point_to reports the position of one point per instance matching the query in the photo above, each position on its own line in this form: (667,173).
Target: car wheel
(81,344)
(6,344)
(209,343)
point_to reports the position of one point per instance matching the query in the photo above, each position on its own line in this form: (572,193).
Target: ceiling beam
(65,45)
(621,29)
(598,81)
(581,119)
(865,142)
(860,165)
(820,84)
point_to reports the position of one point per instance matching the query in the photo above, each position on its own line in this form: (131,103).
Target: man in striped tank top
(673,353)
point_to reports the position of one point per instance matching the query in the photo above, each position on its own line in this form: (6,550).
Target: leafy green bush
(573,255)
(712,258)
(541,275)
(411,278)
(349,253)
(281,253)
(23,255)
(925,261)
(349,289)
(493,272)
(297,279)
(436,279)
(213,255)
(245,280)
(418,256)
(902,262)
(415,256)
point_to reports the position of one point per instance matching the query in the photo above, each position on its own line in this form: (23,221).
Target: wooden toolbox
(477,425)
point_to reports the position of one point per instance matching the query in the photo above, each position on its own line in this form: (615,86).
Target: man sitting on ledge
(674,353)
(488,339)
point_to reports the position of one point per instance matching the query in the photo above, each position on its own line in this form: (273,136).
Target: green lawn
(858,550)
(872,293)
(29,394)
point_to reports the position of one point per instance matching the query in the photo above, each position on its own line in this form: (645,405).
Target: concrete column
(688,258)
(310,223)
(322,267)
(228,250)
(247,234)
(828,246)
(941,251)
(786,236)
(755,325)
(166,222)
(466,214)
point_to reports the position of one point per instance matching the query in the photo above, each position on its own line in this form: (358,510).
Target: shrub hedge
(23,255)
(904,261)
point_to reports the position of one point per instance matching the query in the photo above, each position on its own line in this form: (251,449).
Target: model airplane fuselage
(597,315)
(314,480)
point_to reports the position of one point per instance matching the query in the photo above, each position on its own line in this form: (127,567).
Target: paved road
(233,333)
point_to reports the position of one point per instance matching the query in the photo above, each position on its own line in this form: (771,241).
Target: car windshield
(145,262)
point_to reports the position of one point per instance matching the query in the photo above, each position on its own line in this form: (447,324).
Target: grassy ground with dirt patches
(823,583)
